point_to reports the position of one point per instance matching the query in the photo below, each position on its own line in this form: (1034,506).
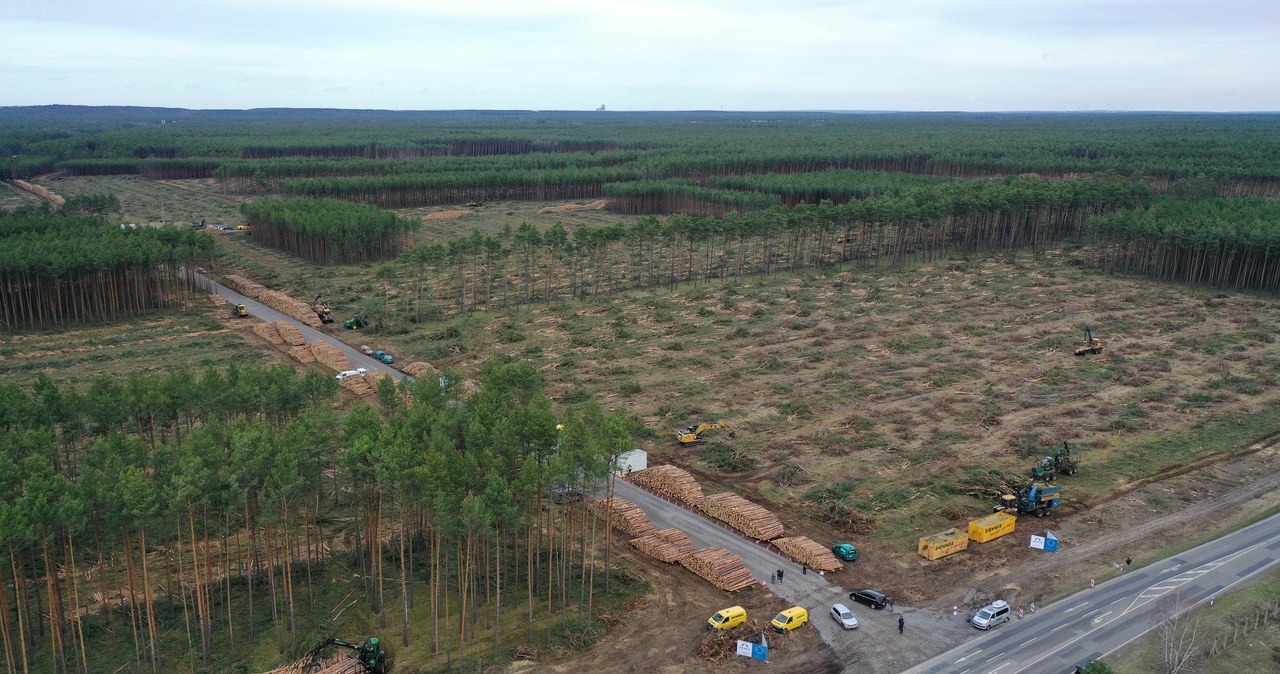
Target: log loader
(690,435)
(370,655)
(1090,344)
(1052,465)
(322,310)
(1037,498)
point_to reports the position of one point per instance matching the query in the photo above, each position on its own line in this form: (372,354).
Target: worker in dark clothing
(779,575)
(901,622)
(804,569)
(1128,562)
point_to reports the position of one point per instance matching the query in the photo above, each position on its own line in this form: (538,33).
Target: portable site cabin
(991,527)
(636,459)
(942,544)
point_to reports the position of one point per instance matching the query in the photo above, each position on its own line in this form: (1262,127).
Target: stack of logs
(627,516)
(749,518)
(722,568)
(268,332)
(668,545)
(274,299)
(807,551)
(363,386)
(418,369)
(290,333)
(671,482)
(330,356)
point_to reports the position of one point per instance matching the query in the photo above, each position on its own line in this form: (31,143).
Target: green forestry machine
(371,656)
(1060,462)
(356,323)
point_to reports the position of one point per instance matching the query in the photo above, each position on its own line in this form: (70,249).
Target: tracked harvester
(692,435)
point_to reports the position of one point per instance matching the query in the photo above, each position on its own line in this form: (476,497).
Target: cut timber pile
(243,286)
(303,354)
(724,569)
(268,332)
(670,481)
(668,545)
(808,551)
(330,356)
(348,666)
(273,298)
(743,515)
(627,516)
(418,369)
(360,386)
(290,333)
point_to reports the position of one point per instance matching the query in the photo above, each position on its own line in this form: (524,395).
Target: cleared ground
(906,396)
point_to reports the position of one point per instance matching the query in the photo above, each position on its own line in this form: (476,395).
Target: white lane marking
(1000,667)
(968,656)
(996,656)
(1075,607)
(1097,620)
(1027,642)
(1090,613)
(1058,627)
(1165,587)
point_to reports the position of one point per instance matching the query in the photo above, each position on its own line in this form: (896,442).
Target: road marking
(1097,620)
(1164,587)
(1027,642)
(996,657)
(1090,613)
(1075,607)
(968,656)
(1058,627)
(1000,667)
(1175,567)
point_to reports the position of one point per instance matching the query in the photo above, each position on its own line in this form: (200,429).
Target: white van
(991,615)
(358,372)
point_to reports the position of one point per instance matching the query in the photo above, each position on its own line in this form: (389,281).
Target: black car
(871,598)
(561,493)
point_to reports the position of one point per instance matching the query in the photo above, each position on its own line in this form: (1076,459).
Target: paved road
(263,312)
(873,647)
(1098,621)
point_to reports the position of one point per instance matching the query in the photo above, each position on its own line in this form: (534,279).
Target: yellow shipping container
(943,544)
(991,527)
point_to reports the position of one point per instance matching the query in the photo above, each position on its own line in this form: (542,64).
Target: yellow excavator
(1090,345)
(691,435)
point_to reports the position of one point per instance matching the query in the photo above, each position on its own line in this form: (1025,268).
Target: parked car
(993,614)
(841,614)
(565,492)
(727,617)
(845,551)
(872,598)
(358,372)
(790,619)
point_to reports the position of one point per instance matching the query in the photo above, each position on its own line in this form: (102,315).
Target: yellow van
(726,618)
(789,619)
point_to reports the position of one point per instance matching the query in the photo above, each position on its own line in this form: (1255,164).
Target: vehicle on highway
(358,372)
(841,614)
(845,551)
(991,615)
(727,617)
(789,619)
(871,598)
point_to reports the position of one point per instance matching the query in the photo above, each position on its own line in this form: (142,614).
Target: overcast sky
(980,55)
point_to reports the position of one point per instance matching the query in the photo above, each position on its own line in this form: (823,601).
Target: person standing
(891,606)
(1128,562)
(901,622)
(773,577)
(804,569)
(779,575)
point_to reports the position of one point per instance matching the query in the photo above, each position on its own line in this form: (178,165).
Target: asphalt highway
(1098,621)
